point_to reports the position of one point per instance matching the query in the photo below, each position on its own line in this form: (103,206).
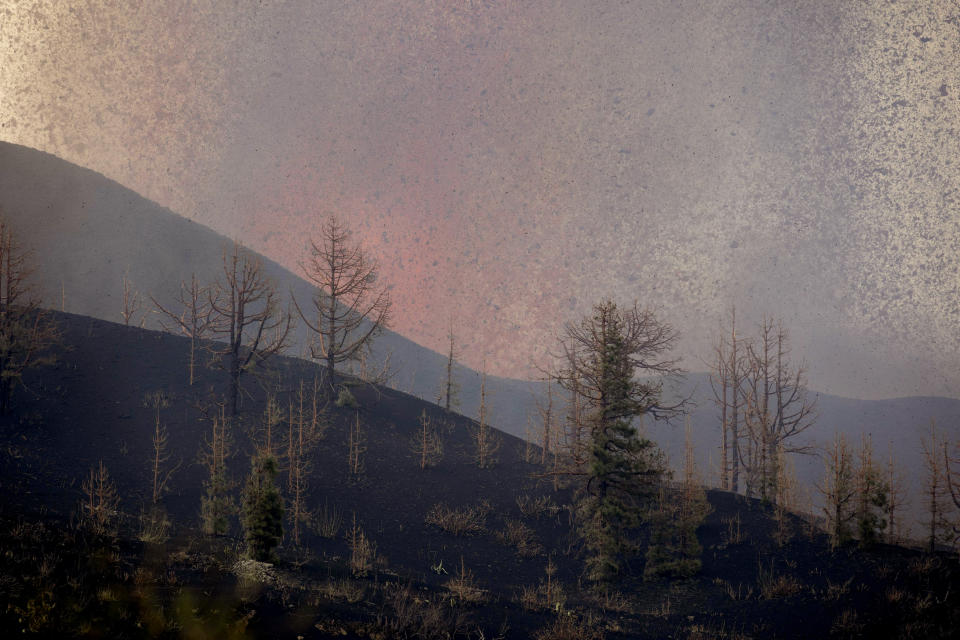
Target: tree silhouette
(604,354)
(26,330)
(246,313)
(350,309)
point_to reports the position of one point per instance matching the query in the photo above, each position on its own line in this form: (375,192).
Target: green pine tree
(623,469)
(262,510)
(216,506)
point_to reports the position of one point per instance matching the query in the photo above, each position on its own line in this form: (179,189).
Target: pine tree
(623,470)
(216,505)
(674,548)
(262,510)
(872,497)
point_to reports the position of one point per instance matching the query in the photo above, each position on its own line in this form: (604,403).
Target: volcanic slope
(94,405)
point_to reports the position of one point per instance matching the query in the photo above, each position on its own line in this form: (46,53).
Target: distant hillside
(87,232)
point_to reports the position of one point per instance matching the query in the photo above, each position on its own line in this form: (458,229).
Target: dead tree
(246,315)
(304,432)
(132,302)
(895,500)
(356,447)
(777,408)
(839,491)
(451,388)
(194,320)
(100,508)
(26,331)
(726,380)
(427,445)
(158,462)
(935,486)
(349,309)
(216,506)
(547,428)
(486,441)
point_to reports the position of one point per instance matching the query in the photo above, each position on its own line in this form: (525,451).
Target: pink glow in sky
(510,163)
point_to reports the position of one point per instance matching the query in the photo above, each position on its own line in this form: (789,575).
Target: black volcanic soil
(90,406)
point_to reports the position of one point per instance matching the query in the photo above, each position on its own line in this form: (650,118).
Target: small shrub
(547,595)
(464,585)
(262,510)
(734,534)
(536,507)
(516,534)
(846,624)
(154,525)
(741,592)
(459,522)
(776,586)
(99,510)
(569,628)
(345,398)
(418,617)
(326,522)
(362,551)
(351,591)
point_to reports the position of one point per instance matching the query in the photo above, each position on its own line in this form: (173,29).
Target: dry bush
(734,533)
(835,591)
(609,600)
(464,585)
(352,591)
(567,627)
(363,552)
(741,592)
(326,522)
(846,624)
(536,507)
(154,525)
(548,594)
(99,510)
(516,534)
(776,586)
(460,522)
(418,617)
(896,595)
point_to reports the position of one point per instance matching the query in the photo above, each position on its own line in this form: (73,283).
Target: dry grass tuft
(460,522)
(537,507)
(516,534)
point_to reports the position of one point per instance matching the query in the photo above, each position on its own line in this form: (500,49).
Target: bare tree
(132,302)
(547,427)
(426,444)
(100,508)
(160,457)
(935,485)
(839,491)
(194,320)
(350,309)
(777,408)
(356,447)
(451,389)
(305,431)
(727,379)
(486,441)
(246,313)
(26,331)
(216,506)
(895,500)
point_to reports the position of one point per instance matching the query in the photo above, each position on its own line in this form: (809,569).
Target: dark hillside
(90,406)
(87,232)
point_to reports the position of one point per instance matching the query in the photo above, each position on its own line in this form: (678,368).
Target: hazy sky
(512,162)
